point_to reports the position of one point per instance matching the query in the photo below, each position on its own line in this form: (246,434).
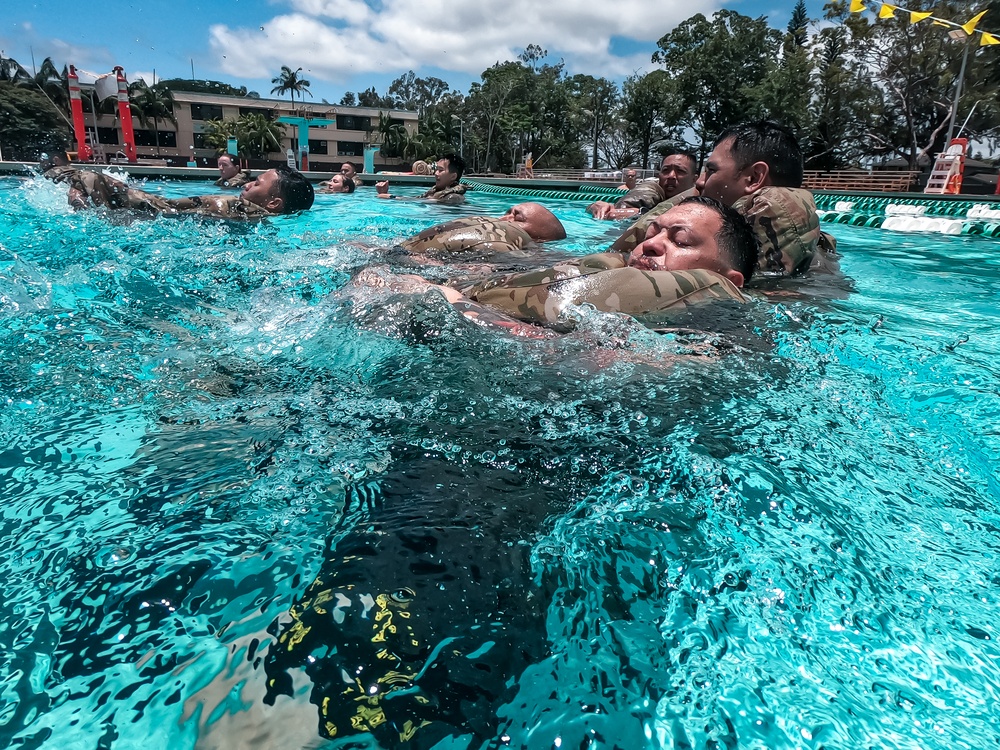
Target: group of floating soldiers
(696,238)
(389,663)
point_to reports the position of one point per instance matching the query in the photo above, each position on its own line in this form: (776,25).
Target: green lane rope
(594,192)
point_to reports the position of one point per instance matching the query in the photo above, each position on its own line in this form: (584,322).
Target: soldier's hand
(599,209)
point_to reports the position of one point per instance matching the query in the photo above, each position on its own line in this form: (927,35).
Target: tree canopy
(856,89)
(29,123)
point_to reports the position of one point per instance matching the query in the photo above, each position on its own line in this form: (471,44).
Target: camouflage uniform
(106,192)
(479,235)
(451,194)
(643,196)
(232,207)
(784,220)
(604,281)
(236,181)
(100,189)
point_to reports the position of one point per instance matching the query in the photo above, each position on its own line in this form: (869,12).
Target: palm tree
(392,135)
(12,71)
(218,132)
(154,103)
(51,82)
(256,135)
(288,81)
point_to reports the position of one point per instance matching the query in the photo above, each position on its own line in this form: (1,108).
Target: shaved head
(535,219)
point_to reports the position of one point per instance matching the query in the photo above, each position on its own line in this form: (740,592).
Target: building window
(206,112)
(350,148)
(168,138)
(107,136)
(318,147)
(351,122)
(255,111)
(199,141)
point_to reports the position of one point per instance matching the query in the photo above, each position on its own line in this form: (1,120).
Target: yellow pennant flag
(917,17)
(935,22)
(887,11)
(971,25)
(858,5)
(988,39)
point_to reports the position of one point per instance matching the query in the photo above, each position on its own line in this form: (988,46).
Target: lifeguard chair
(946,176)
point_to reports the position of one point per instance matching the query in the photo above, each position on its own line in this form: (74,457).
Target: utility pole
(957,35)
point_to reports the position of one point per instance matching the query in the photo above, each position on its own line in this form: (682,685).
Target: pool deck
(526,185)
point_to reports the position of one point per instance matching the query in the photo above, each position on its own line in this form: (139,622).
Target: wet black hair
(771,143)
(348,183)
(456,164)
(296,191)
(690,157)
(53,156)
(737,241)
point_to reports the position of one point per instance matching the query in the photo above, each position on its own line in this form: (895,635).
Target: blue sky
(349,45)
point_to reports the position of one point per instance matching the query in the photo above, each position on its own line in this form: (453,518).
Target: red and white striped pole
(83,150)
(125,115)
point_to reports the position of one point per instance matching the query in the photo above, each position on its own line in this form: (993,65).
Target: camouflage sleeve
(236,181)
(230,207)
(101,190)
(637,232)
(786,223)
(450,195)
(474,235)
(644,294)
(643,196)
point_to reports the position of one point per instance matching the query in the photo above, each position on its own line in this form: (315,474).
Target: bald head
(535,219)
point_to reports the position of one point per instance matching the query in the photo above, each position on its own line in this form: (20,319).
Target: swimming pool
(783,536)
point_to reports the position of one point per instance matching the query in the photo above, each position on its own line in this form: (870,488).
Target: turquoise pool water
(784,535)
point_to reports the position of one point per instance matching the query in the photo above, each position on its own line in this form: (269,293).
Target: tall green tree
(408,92)
(152,104)
(785,93)
(203,86)
(11,70)
(915,68)
(653,111)
(845,107)
(392,135)
(798,25)
(52,83)
(596,99)
(28,123)
(289,82)
(258,135)
(218,132)
(371,98)
(714,66)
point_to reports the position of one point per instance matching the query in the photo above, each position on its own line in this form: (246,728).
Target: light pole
(958,35)
(461,135)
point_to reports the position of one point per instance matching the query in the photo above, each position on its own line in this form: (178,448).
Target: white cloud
(351,11)
(336,39)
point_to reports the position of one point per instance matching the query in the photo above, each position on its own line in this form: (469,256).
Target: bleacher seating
(888,181)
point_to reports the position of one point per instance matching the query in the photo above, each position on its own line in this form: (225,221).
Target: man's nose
(654,246)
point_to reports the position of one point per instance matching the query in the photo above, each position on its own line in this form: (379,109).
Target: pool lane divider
(951,217)
(592,193)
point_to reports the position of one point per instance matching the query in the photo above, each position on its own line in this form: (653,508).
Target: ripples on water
(792,544)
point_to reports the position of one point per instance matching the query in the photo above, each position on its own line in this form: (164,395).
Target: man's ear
(275,205)
(758,175)
(736,277)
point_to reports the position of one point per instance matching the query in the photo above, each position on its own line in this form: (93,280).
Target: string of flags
(916,16)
